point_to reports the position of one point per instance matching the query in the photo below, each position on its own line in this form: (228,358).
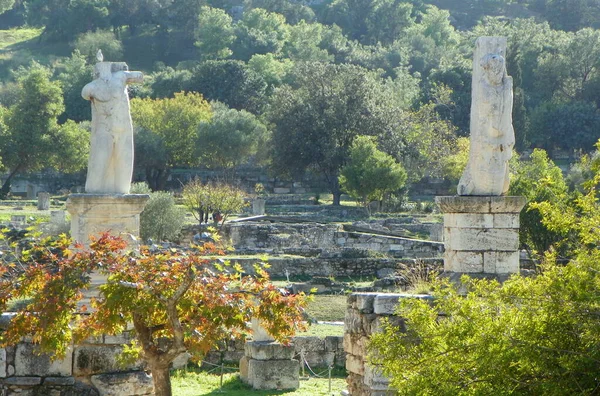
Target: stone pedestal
(269,365)
(43,201)
(258,206)
(92,214)
(481,234)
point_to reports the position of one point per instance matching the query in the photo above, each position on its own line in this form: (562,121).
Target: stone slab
(480,204)
(95,359)
(501,262)
(119,384)
(274,374)
(29,363)
(472,239)
(469,220)
(264,350)
(23,381)
(463,261)
(92,214)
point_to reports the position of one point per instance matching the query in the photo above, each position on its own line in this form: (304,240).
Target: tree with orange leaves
(186,299)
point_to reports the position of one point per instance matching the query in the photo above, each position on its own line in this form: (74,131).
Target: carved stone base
(481,233)
(269,365)
(92,214)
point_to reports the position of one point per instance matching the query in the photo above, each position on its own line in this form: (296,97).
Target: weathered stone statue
(110,165)
(492,134)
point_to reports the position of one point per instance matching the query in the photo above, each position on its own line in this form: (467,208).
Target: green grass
(322,331)
(328,308)
(196,383)
(15,36)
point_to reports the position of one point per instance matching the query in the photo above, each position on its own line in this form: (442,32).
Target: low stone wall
(364,316)
(393,246)
(279,236)
(338,266)
(88,369)
(91,368)
(318,352)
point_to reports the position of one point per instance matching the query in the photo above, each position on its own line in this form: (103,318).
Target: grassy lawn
(327,308)
(322,331)
(196,383)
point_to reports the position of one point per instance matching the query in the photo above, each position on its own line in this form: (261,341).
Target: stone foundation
(481,234)
(364,316)
(88,369)
(92,214)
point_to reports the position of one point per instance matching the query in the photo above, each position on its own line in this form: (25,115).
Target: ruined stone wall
(88,369)
(91,368)
(338,266)
(364,316)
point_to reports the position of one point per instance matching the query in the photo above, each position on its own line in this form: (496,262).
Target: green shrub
(161,220)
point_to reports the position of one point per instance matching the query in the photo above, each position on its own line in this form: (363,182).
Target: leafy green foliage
(230,138)
(161,220)
(214,34)
(177,301)
(538,180)
(216,198)
(89,43)
(370,173)
(530,335)
(169,130)
(317,119)
(29,131)
(230,82)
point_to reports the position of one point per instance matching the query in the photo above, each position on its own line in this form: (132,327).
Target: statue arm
(134,77)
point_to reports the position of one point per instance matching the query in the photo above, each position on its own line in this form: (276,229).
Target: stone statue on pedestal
(110,166)
(107,205)
(492,134)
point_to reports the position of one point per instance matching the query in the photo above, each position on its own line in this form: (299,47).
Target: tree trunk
(157,178)
(337,196)
(161,378)
(5,190)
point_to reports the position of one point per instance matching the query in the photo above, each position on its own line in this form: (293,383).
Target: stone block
(22,381)
(501,262)
(92,214)
(385,304)
(463,204)
(473,239)
(396,247)
(243,367)
(59,381)
(262,350)
(119,384)
(334,343)
(374,379)
(506,220)
(507,204)
(468,220)
(458,261)
(364,302)
(355,364)
(309,344)
(3,363)
(320,358)
(281,190)
(274,374)
(97,359)
(29,363)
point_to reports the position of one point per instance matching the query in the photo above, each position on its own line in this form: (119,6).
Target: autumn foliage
(177,300)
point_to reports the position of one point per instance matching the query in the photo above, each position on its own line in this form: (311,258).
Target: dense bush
(161,220)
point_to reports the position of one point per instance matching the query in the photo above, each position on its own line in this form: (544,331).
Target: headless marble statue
(492,134)
(110,165)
